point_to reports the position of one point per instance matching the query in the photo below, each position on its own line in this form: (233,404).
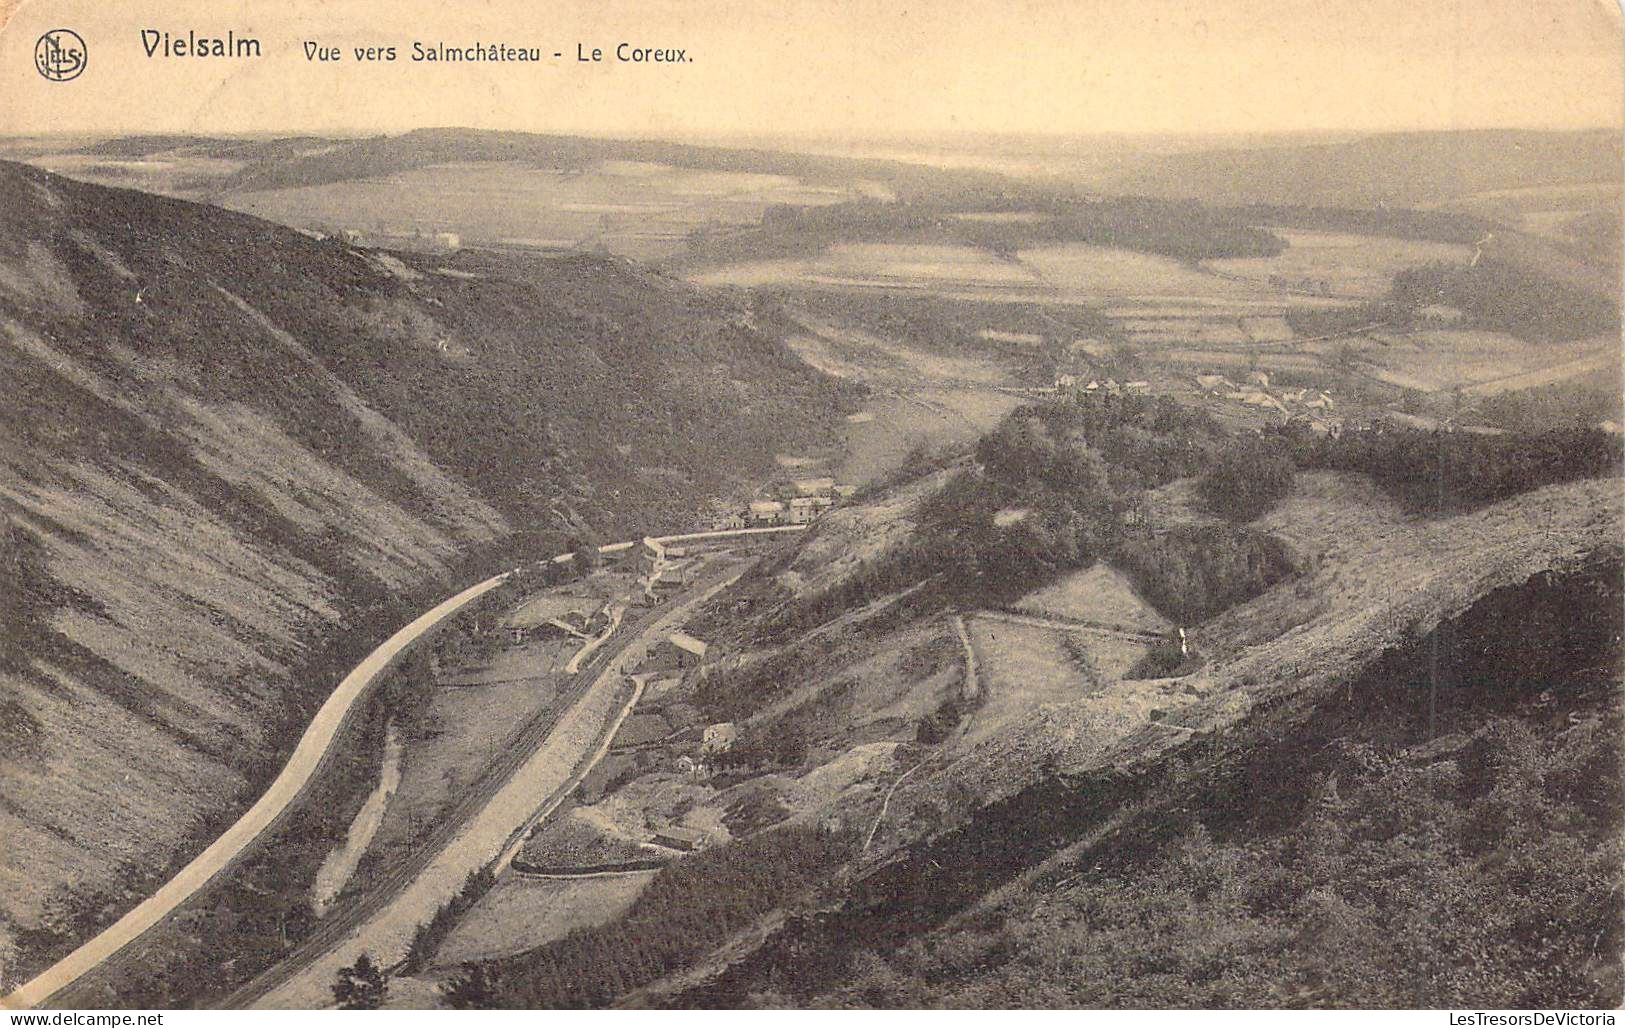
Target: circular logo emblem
(60,55)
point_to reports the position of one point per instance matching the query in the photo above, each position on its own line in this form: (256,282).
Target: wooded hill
(233,457)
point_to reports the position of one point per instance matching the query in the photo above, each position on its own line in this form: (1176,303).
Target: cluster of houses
(1109,387)
(1311,406)
(797,503)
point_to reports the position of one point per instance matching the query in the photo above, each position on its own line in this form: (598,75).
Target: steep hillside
(233,455)
(1457,677)
(1024,780)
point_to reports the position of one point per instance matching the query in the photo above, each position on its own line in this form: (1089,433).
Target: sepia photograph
(714,505)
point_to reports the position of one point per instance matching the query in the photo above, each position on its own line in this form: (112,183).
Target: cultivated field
(1099,594)
(1447,359)
(467,728)
(1350,265)
(884,693)
(632,208)
(172,173)
(576,840)
(1022,667)
(1025,667)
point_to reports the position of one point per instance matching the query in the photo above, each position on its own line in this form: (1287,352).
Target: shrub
(1245,482)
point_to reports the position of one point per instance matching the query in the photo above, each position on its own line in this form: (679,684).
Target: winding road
(307,760)
(505,808)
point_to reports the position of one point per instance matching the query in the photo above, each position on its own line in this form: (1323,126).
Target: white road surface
(306,761)
(296,775)
(572,748)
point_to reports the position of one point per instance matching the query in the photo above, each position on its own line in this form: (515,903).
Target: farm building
(766,512)
(671,577)
(804,509)
(677,837)
(571,625)
(728,522)
(651,553)
(548,617)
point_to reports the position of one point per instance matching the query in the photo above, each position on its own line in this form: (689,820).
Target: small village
(797,502)
(1309,406)
(664,740)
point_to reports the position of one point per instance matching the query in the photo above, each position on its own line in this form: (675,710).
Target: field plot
(523,913)
(1545,210)
(1233,361)
(1266,329)
(632,208)
(1348,265)
(1099,271)
(897,266)
(938,417)
(1214,331)
(170,172)
(1098,594)
(1024,667)
(476,710)
(1448,359)
(466,729)
(582,597)
(579,840)
(883,693)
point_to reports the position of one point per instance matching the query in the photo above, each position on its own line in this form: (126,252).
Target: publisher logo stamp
(60,55)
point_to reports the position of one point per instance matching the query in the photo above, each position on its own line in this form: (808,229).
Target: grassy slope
(1058,779)
(224,441)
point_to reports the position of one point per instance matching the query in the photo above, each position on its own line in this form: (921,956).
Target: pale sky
(850,68)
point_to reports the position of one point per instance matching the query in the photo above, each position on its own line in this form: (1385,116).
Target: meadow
(1350,265)
(633,208)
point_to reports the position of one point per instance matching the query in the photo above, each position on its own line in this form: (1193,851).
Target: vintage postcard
(861,504)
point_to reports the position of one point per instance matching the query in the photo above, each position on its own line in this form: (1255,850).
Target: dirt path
(1069,625)
(973,681)
(971,689)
